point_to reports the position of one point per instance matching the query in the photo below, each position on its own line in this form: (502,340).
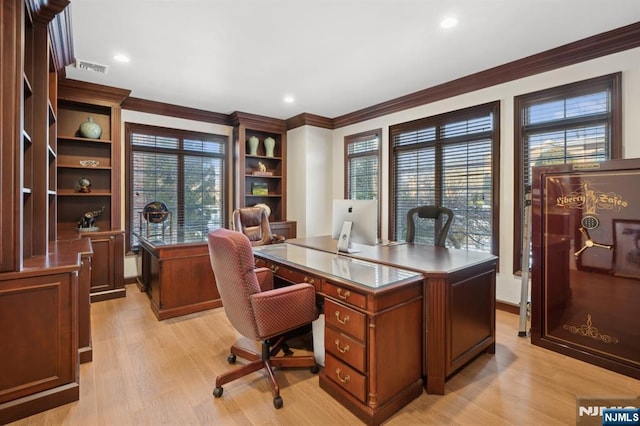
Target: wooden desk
(373,326)
(177,276)
(459,300)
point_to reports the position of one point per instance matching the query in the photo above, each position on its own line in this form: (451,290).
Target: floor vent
(91,66)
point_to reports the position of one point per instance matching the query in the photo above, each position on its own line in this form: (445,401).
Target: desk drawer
(345,348)
(346,377)
(348,296)
(345,319)
(296,276)
(288,274)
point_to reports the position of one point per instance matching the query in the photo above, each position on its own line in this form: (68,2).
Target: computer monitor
(354,221)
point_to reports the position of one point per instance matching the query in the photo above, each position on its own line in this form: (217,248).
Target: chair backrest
(430,212)
(254,223)
(233,265)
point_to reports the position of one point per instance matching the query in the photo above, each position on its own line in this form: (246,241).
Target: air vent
(91,66)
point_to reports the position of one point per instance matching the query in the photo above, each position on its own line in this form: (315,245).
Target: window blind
(447,160)
(184,172)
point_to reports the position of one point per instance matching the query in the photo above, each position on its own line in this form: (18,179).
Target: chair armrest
(277,238)
(284,309)
(265,278)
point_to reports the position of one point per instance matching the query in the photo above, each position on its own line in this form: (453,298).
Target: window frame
(353,139)
(439,121)
(153,130)
(611,82)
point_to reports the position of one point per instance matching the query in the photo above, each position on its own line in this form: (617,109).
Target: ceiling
(333,56)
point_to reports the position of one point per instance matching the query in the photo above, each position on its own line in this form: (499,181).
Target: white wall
(130,269)
(317,219)
(309,178)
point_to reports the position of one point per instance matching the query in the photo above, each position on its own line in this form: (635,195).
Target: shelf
(74,193)
(81,139)
(64,165)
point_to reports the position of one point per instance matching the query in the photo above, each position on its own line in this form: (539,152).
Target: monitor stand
(344,240)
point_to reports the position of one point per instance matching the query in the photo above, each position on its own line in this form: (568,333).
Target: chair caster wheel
(217,392)
(315,369)
(231,359)
(277,402)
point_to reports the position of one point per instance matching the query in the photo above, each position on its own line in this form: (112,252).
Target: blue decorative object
(155,212)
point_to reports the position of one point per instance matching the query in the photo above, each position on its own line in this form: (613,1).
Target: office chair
(257,310)
(430,212)
(254,223)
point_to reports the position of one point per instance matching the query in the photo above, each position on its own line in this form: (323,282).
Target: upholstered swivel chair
(254,223)
(430,212)
(258,312)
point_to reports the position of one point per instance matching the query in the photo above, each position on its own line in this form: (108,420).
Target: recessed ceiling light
(121,58)
(449,22)
(288,99)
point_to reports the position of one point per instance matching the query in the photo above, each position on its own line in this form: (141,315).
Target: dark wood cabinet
(98,160)
(107,273)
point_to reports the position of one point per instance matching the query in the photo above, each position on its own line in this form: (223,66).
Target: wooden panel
(472,318)
(178,279)
(38,321)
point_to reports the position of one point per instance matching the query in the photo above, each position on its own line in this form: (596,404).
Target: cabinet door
(102,264)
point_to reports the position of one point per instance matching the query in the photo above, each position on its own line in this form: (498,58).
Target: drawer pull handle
(344,321)
(275,269)
(346,378)
(309,280)
(341,350)
(344,295)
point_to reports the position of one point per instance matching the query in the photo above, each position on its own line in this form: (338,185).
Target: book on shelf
(259,188)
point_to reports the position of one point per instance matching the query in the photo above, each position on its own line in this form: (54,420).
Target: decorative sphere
(84,184)
(156,212)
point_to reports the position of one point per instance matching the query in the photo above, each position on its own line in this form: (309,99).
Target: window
(362,167)
(575,123)
(184,170)
(449,160)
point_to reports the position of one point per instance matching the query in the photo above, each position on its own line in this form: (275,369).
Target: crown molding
(614,41)
(306,119)
(170,110)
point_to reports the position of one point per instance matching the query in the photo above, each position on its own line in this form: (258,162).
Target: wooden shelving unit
(96,159)
(248,173)
(40,303)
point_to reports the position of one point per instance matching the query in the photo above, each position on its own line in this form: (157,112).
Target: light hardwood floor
(149,372)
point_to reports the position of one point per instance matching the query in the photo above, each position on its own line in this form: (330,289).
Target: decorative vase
(90,129)
(269,144)
(253,145)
